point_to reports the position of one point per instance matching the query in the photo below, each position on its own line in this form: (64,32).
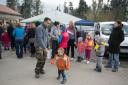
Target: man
(55,33)
(19,34)
(42,45)
(116,37)
(10,30)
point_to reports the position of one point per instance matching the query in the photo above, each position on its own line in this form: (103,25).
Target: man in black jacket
(116,37)
(10,30)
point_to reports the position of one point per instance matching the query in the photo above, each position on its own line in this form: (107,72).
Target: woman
(72,39)
(116,37)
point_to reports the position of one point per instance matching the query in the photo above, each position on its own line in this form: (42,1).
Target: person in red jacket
(64,39)
(6,40)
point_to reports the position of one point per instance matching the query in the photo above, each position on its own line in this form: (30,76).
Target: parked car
(105,29)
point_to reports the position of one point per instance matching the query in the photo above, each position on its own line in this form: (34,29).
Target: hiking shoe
(115,70)
(63,82)
(58,78)
(37,76)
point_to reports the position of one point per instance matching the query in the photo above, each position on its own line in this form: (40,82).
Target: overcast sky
(56,2)
(52,4)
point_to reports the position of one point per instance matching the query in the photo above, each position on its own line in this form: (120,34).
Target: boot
(37,75)
(64,81)
(99,70)
(115,70)
(42,72)
(58,78)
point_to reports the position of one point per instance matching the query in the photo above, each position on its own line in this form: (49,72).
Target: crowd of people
(37,38)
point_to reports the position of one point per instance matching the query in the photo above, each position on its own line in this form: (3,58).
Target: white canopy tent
(63,18)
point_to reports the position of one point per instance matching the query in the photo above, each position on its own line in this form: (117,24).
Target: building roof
(7,10)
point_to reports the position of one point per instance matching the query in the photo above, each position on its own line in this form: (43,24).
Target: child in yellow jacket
(63,63)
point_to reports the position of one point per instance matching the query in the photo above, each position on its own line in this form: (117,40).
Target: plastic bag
(49,54)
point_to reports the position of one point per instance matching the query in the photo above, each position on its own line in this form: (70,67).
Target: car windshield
(107,29)
(125,28)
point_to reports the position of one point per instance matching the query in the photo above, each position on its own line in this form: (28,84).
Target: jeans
(115,61)
(110,60)
(62,73)
(99,62)
(19,48)
(54,47)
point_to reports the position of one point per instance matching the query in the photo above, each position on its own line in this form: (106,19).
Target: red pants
(6,45)
(88,54)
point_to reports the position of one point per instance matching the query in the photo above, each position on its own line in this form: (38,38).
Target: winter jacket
(116,37)
(100,51)
(72,33)
(64,41)
(81,47)
(10,30)
(89,44)
(41,37)
(19,33)
(62,63)
(5,37)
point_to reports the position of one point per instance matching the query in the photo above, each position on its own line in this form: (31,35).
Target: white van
(105,29)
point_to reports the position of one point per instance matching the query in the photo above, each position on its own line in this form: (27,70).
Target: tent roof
(55,16)
(85,23)
(7,10)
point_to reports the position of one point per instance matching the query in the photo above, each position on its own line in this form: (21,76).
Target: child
(6,40)
(100,49)
(63,63)
(80,49)
(88,48)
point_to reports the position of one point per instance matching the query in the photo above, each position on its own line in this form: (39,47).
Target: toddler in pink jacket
(80,49)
